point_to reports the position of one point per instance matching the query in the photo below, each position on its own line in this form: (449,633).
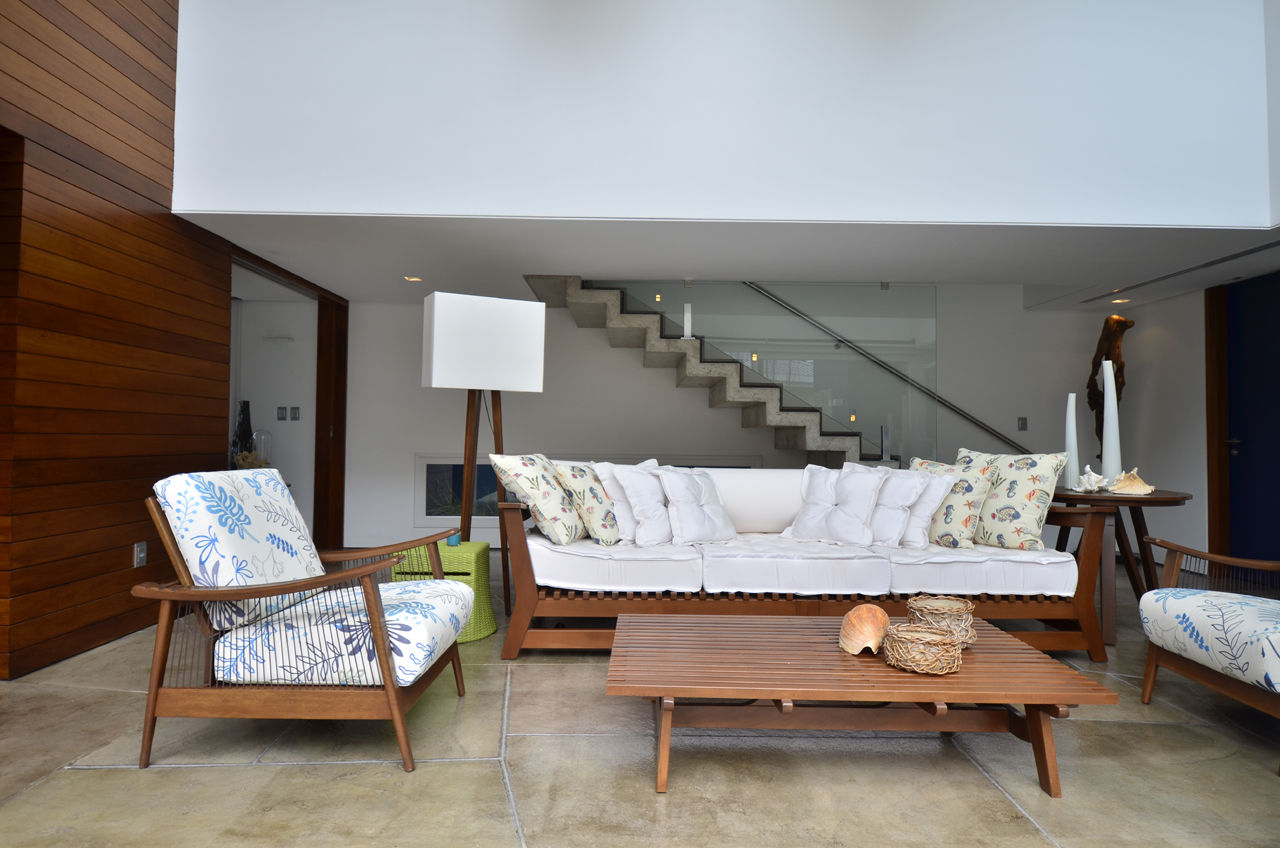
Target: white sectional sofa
(760,571)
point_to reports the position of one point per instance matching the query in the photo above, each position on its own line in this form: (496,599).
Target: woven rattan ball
(945,612)
(915,647)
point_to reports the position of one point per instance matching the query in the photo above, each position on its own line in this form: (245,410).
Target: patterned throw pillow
(1018,503)
(594,506)
(532,479)
(956,520)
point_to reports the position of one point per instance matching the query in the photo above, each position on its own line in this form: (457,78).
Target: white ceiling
(365,258)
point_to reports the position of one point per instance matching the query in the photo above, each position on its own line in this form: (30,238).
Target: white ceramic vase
(1111,465)
(1071,473)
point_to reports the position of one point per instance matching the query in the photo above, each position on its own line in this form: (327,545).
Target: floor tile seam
(256,763)
(80,687)
(502,762)
(968,755)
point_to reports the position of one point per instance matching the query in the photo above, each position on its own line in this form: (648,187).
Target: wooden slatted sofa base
(548,618)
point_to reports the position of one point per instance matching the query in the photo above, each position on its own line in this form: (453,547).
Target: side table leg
(1041,735)
(1107,579)
(664,707)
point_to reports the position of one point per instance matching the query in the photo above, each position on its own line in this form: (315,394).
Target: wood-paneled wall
(114,320)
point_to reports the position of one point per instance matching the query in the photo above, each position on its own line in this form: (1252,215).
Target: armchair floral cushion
(239,528)
(1237,635)
(327,639)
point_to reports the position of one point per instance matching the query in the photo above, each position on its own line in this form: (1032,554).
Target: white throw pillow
(622,512)
(838,506)
(900,490)
(694,507)
(648,505)
(916,534)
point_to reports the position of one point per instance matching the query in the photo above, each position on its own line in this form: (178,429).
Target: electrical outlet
(1022,423)
(295,413)
(139,554)
(282,414)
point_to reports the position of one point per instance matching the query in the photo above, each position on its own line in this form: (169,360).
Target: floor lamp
(457,354)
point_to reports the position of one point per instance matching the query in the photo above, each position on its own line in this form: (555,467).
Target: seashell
(1129,483)
(1090,482)
(864,626)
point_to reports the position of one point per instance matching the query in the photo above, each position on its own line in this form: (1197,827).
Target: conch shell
(864,626)
(1129,483)
(1090,482)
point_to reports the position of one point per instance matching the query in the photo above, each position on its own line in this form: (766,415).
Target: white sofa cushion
(648,504)
(981,569)
(608,473)
(239,528)
(916,534)
(622,568)
(901,488)
(759,500)
(1229,633)
(770,563)
(326,639)
(694,507)
(838,506)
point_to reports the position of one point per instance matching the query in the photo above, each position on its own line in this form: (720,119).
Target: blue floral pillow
(239,528)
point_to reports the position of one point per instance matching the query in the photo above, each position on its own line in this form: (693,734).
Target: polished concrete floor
(536,755)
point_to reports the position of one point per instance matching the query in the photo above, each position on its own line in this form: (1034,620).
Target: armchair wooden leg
(456,660)
(159,659)
(1149,676)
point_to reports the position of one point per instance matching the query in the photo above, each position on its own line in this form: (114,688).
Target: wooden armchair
(1216,620)
(260,625)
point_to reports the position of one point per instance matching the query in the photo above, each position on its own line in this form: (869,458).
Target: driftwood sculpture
(1108,348)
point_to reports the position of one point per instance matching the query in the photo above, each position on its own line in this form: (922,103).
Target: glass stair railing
(863,355)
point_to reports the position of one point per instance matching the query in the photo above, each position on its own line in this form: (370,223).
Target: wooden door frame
(329,510)
(1217,419)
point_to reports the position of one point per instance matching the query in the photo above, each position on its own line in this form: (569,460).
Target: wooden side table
(466,562)
(1141,570)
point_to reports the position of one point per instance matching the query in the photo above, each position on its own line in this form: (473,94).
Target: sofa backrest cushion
(759,500)
(838,506)
(622,511)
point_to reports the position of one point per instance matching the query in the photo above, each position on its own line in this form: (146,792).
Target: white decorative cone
(1071,474)
(1110,424)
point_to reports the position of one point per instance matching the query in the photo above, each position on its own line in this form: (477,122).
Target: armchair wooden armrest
(178,592)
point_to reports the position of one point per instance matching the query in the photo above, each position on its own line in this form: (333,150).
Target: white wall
(598,402)
(1137,112)
(1162,413)
(277,367)
(998,362)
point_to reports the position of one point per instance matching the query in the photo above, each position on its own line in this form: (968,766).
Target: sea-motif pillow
(532,479)
(838,506)
(694,507)
(900,490)
(595,508)
(956,519)
(648,503)
(1021,488)
(622,512)
(239,528)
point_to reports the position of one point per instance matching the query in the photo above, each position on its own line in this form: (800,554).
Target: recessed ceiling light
(409,279)
(1121,300)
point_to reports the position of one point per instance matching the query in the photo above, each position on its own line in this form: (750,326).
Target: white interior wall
(1162,413)
(277,367)
(1128,112)
(598,402)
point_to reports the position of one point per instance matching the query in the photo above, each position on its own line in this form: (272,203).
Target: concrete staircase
(794,429)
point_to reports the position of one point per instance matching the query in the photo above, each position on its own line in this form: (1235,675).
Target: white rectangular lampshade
(472,342)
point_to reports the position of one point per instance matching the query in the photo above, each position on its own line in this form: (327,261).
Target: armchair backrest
(1189,568)
(238,528)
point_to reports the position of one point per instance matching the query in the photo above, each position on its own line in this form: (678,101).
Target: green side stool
(466,562)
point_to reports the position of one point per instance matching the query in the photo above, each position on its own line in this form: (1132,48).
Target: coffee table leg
(665,707)
(1040,733)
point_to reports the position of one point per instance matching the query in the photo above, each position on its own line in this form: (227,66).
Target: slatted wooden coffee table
(789,672)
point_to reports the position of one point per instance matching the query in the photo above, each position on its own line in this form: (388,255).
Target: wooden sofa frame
(1219,576)
(1072,623)
(195,694)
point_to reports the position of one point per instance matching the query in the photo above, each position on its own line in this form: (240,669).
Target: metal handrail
(901,375)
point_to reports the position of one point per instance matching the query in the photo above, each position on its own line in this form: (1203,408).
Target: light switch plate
(139,554)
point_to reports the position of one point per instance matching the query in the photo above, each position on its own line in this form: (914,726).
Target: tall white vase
(1111,466)
(1071,474)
